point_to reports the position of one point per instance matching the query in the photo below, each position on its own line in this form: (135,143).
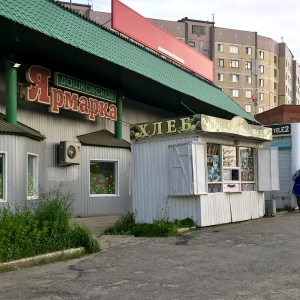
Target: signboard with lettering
(281,129)
(235,126)
(83,87)
(57,99)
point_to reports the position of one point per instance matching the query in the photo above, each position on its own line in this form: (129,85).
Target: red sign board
(135,26)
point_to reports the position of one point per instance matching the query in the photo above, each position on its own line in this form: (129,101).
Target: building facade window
(234,93)
(32,176)
(234,49)
(199,30)
(275,59)
(2,177)
(275,73)
(234,63)
(248,94)
(234,78)
(220,77)
(275,99)
(260,110)
(248,64)
(261,96)
(249,79)
(103,177)
(220,47)
(261,54)
(221,62)
(248,50)
(261,69)
(275,85)
(260,82)
(192,44)
(248,108)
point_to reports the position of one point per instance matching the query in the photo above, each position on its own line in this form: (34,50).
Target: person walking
(296,188)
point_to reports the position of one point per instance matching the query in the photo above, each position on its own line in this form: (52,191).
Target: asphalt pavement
(257,259)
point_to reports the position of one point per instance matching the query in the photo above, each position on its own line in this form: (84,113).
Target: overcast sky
(278,20)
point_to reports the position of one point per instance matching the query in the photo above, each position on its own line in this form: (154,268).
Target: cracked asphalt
(257,259)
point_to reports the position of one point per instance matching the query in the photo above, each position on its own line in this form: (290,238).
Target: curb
(40,259)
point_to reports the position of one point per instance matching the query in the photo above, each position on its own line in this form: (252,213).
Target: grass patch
(126,226)
(42,227)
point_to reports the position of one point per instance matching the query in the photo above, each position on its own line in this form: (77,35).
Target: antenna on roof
(213,19)
(281,39)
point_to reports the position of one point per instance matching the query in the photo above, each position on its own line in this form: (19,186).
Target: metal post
(118,123)
(11,91)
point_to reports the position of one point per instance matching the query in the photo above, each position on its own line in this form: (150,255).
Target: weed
(42,227)
(126,226)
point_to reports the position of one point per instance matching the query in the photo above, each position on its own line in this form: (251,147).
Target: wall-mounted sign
(83,87)
(61,99)
(235,126)
(281,129)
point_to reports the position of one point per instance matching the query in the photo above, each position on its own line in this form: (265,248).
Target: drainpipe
(118,123)
(11,91)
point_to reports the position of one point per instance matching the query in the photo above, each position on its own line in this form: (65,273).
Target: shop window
(103,177)
(230,168)
(32,176)
(2,177)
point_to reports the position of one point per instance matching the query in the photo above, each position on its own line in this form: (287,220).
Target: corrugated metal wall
(16,149)
(150,192)
(150,183)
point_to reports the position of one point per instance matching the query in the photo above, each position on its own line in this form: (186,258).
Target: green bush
(42,227)
(126,226)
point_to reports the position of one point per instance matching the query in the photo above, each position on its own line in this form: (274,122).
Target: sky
(278,20)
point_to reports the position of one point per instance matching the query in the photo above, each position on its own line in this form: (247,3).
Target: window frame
(248,94)
(248,108)
(234,78)
(249,81)
(220,77)
(234,93)
(234,63)
(4,179)
(260,82)
(221,62)
(261,54)
(248,51)
(248,65)
(234,49)
(221,48)
(117,177)
(35,176)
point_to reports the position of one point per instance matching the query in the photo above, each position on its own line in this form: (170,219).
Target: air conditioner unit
(69,153)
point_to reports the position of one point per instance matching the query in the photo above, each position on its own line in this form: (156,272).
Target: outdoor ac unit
(69,153)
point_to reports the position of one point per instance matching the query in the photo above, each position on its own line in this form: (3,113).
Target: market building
(69,90)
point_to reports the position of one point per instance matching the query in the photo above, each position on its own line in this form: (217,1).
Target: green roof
(45,27)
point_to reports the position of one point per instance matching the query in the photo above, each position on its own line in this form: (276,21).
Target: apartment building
(255,71)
